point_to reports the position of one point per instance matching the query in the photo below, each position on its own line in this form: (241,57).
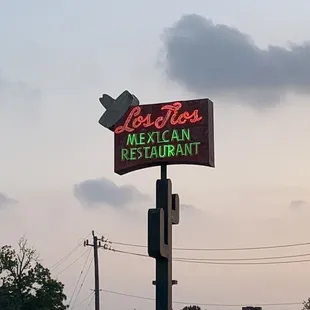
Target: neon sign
(167,133)
(135,120)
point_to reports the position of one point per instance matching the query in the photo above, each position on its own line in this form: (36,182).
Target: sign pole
(163,281)
(163,172)
(179,132)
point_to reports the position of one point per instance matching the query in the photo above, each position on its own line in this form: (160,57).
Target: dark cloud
(6,201)
(216,59)
(298,204)
(103,191)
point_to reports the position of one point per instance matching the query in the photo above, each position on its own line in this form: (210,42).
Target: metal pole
(164,264)
(160,221)
(163,172)
(96,245)
(96,268)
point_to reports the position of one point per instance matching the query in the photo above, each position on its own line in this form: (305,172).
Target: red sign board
(180,132)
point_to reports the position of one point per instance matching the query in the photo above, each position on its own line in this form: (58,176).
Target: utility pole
(97,244)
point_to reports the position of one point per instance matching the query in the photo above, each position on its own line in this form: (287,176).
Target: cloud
(5,200)
(187,207)
(105,192)
(190,210)
(102,191)
(18,97)
(208,58)
(298,204)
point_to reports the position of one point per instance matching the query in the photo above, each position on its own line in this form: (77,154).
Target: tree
(25,284)
(306,304)
(192,308)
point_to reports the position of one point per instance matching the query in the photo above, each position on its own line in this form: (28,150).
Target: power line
(130,244)
(204,304)
(67,255)
(222,249)
(71,263)
(90,301)
(80,275)
(243,259)
(83,300)
(223,259)
(131,253)
(210,262)
(83,281)
(245,263)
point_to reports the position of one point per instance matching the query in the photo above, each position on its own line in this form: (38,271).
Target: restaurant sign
(179,132)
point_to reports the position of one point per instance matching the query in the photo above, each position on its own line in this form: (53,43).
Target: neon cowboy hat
(116,109)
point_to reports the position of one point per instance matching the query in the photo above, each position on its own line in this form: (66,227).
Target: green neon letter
(132,139)
(196,144)
(164,139)
(124,154)
(154,153)
(186,134)
(170,148)
(188,149)
(179,150)
(174,135)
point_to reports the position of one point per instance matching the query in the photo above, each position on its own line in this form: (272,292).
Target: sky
(56,162)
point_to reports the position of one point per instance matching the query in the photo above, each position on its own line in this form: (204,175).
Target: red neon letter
(135,120)
(134,112)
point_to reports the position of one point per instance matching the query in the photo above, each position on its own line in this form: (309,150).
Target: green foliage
(25,284)
(306,304)
(192,308)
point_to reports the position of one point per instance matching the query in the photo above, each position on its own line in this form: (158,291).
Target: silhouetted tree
(25,284)
(193,307)
(306,304)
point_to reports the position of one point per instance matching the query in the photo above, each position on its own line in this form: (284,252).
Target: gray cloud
(216,59)
(5,200)
(298,204)
(190,210)
(18,97)
(103,191)
(187,207)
